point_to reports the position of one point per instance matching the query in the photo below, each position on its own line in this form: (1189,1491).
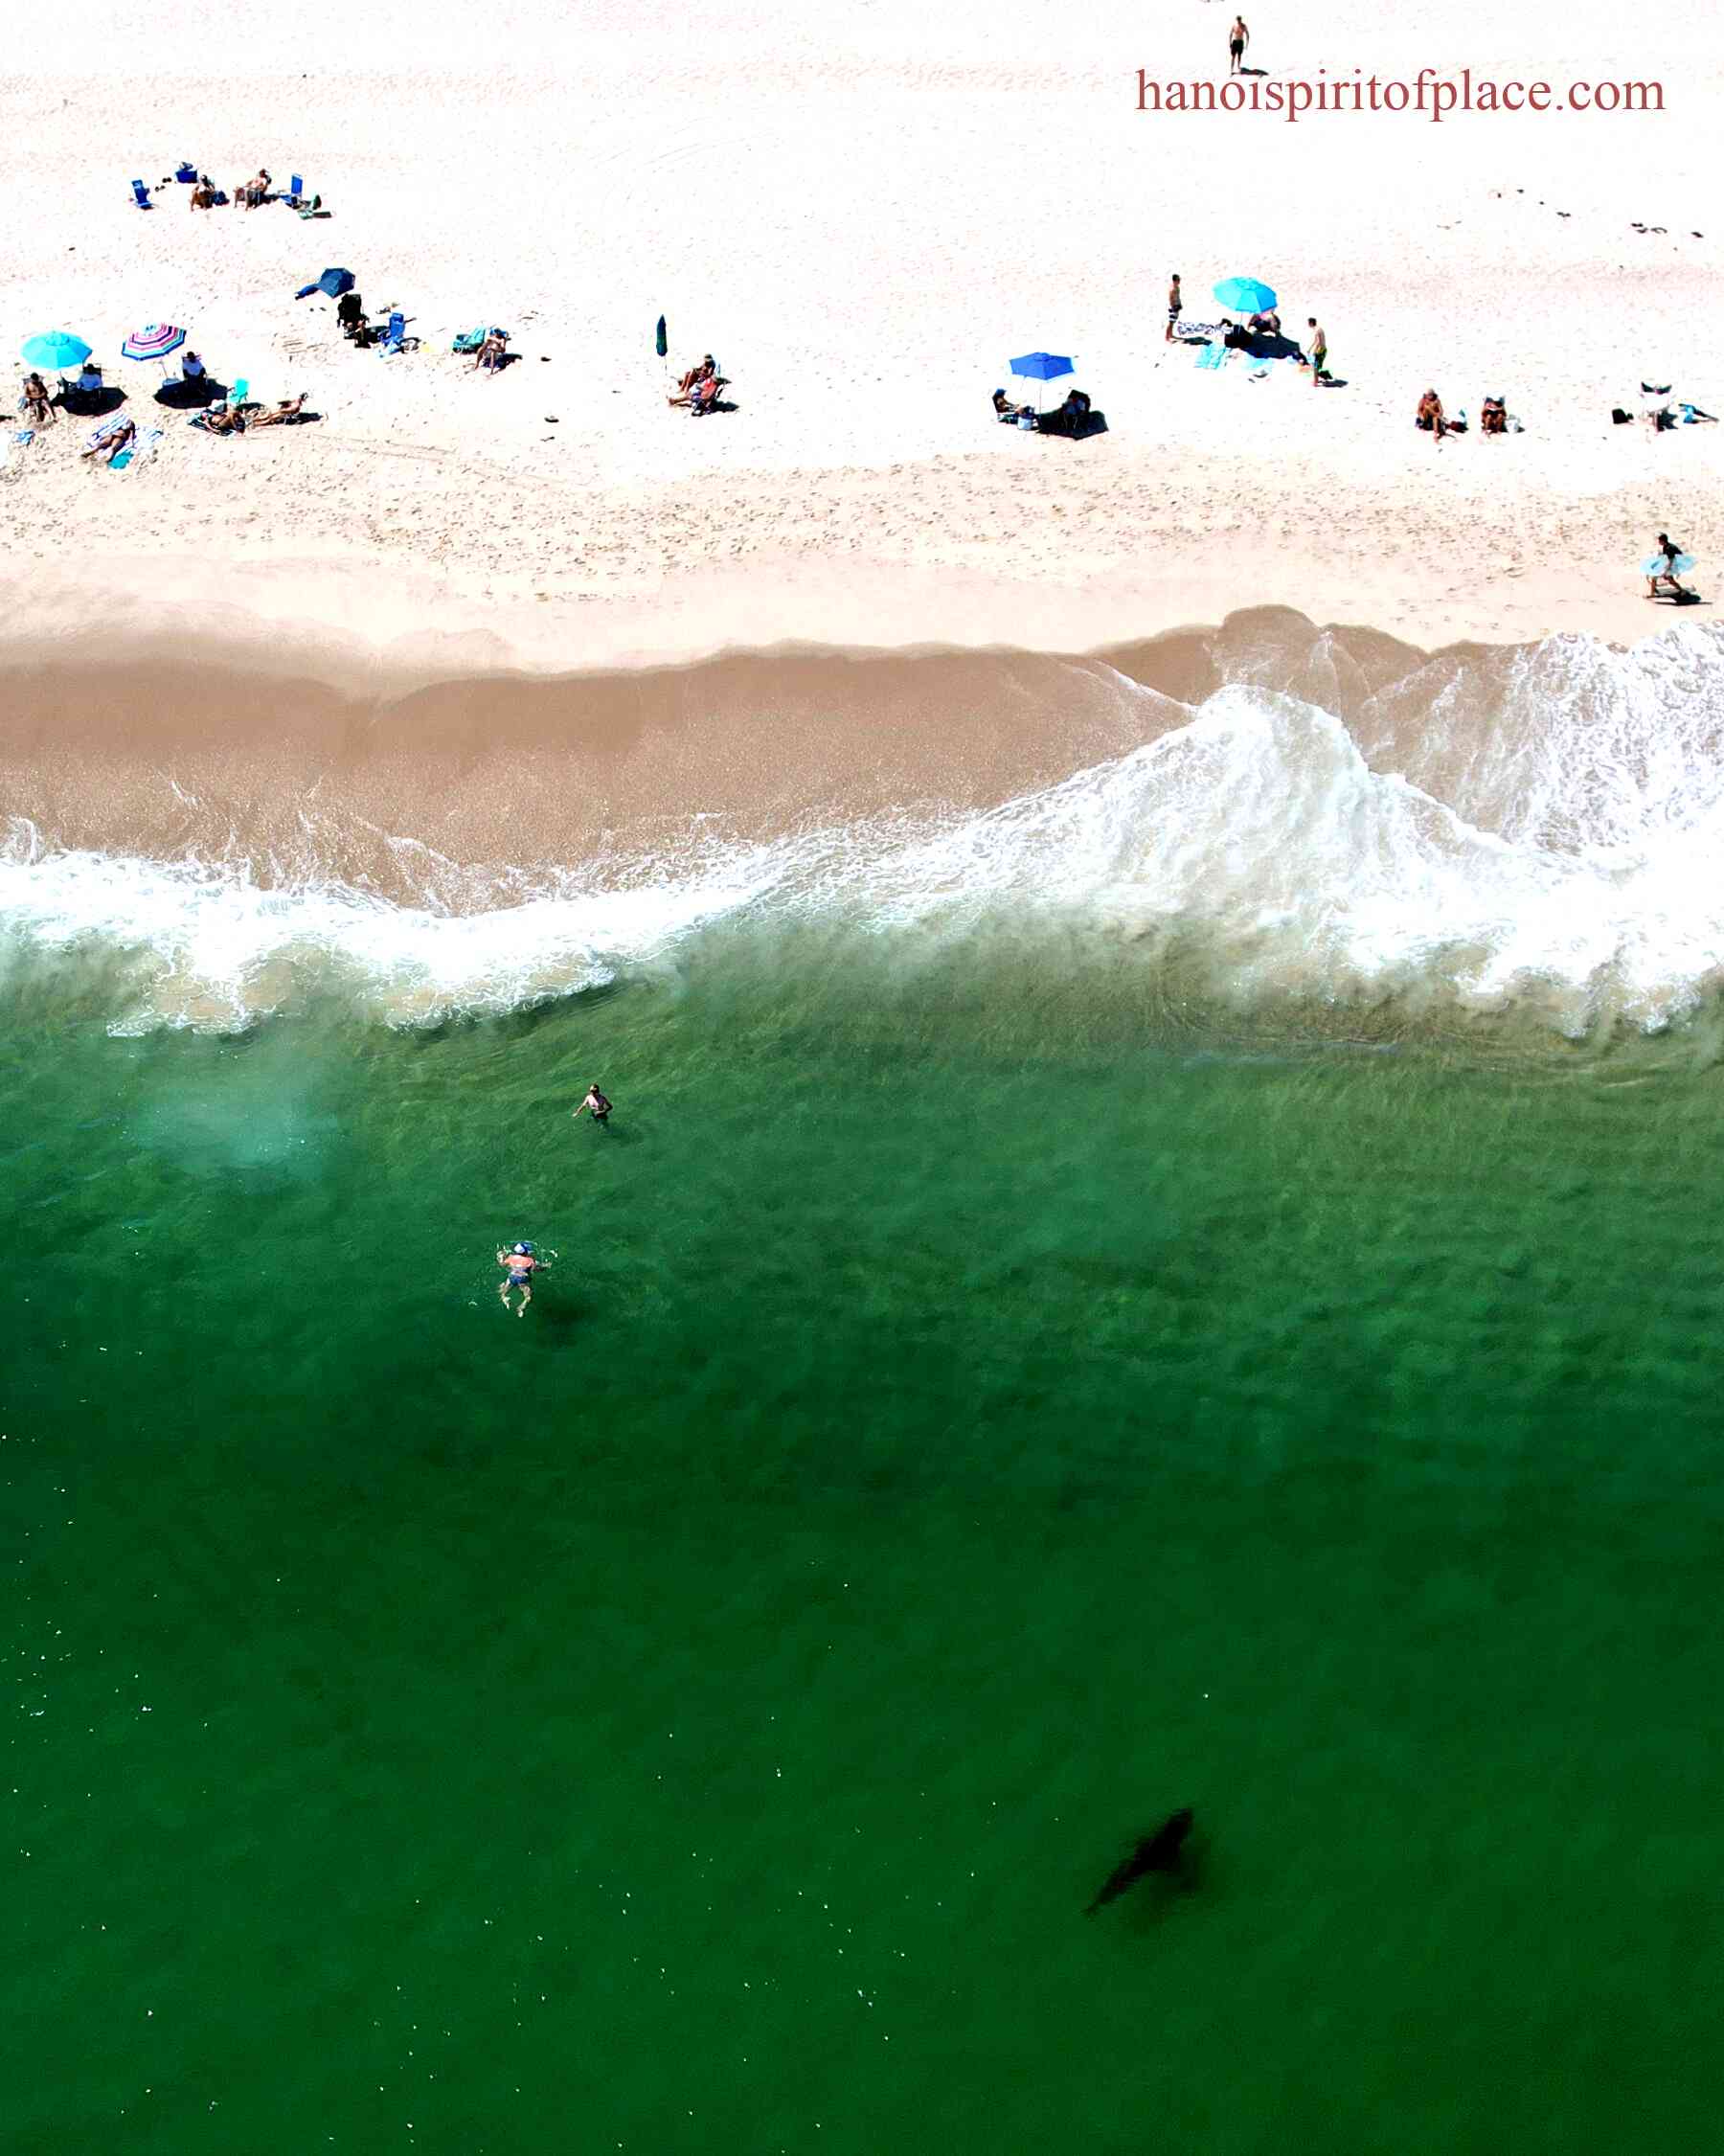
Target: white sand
(863,212)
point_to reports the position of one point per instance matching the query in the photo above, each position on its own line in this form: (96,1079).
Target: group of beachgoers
(1431,419)
(1260,335)
(521,1261)
(250,195)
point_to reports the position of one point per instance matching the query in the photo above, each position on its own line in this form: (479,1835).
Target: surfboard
(1655,565)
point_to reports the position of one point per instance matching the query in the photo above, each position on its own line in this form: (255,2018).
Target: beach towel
(1212,355)
(106,432)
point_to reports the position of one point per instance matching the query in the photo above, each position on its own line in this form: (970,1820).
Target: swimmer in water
(521,1265)
(598,1105)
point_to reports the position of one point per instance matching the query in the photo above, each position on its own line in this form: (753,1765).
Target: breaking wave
(1536,829)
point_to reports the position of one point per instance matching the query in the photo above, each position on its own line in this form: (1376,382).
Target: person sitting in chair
(256,192)
(80,394)
(704,396)
(38,405)
(1493,416)
(1004,409)
(203,195)
(492,353)
(349,309)
(704,373)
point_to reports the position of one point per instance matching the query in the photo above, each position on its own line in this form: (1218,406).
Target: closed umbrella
(1245,295)
(661,344)
(58,349)
(1041,366)
(154,342)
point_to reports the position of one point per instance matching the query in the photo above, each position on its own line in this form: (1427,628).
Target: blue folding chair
(396,335)
(296,187)
(141,194)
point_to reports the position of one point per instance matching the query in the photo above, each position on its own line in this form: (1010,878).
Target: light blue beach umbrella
(1245,295)
(56,349)
(1041,366)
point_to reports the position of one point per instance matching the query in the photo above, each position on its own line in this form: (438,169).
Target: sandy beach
(863,218)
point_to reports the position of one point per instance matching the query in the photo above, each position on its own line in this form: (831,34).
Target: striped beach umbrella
(155,342)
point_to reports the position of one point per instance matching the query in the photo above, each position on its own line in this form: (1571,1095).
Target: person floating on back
(520,1264)
(598,1103)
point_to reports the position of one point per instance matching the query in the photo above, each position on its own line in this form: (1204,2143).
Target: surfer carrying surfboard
(1661,568)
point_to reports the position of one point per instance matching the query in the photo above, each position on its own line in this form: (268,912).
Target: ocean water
(1197,1287)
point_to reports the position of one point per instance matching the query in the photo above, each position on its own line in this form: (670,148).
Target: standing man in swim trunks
(1237,39)
(598,1103)
(521,1266)
(1174,304)
(1317,351)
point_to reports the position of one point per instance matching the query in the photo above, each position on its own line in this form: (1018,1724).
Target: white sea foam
(1573,863)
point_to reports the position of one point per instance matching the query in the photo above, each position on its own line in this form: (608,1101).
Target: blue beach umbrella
(334,282)
(1041,366)
(1245,295)
(56,349)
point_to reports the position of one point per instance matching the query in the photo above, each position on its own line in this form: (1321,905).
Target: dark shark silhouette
(1159,1851)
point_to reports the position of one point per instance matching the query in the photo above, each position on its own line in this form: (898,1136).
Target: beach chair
(141,194)
(469,340)
(395,335)
(239,394)
(296,187)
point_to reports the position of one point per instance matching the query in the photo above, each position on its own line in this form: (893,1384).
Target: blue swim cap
(523,1250)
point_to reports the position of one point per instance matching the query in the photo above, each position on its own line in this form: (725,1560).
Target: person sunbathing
(221,419)
(1430,415)
(38,405)
(109,438)
(285,414)
(492,353)
(1493,416)
(256,192)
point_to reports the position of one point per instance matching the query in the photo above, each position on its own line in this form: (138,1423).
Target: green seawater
(975,1411)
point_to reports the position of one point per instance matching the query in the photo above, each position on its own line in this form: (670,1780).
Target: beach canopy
(56,347)
(1041,366)
(155,342)
(1245,295)
(334,282)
